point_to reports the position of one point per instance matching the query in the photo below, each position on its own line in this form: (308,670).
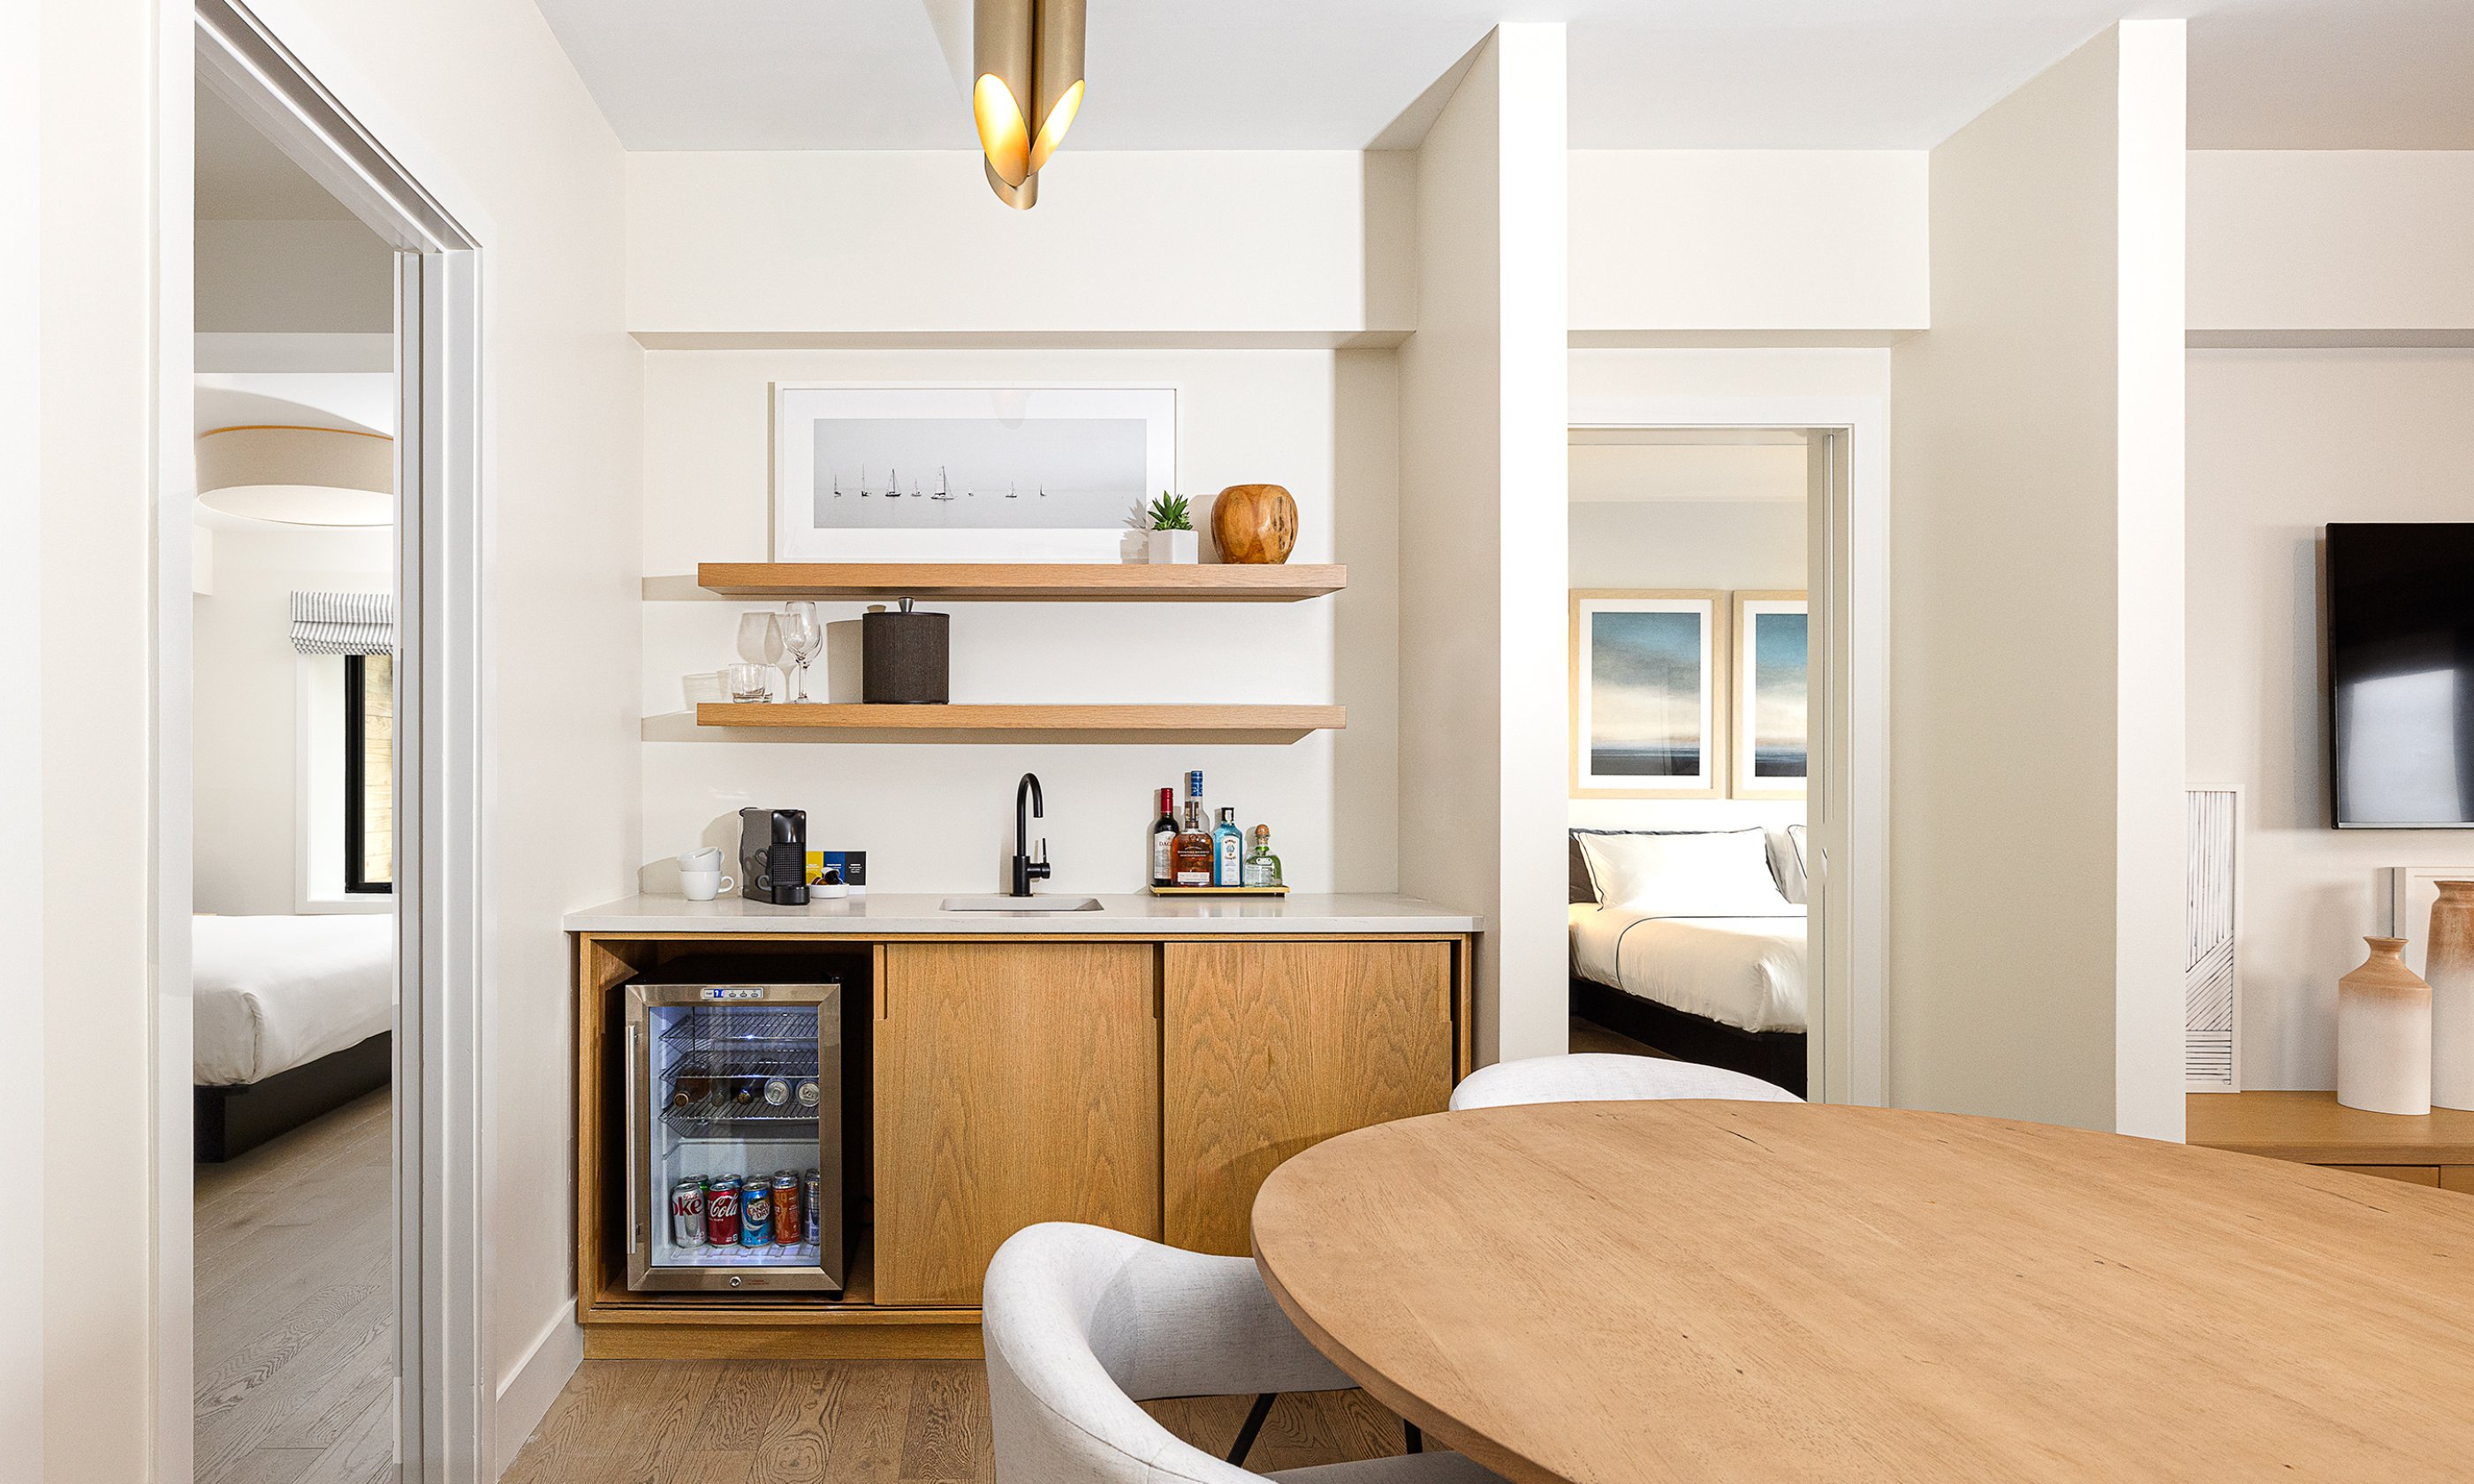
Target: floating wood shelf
(1022,582)
(775,720)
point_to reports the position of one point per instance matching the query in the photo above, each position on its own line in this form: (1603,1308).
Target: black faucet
(1026,869)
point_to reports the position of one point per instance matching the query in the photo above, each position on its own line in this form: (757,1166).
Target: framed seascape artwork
(966,473)
(1646,718)
(1773,650)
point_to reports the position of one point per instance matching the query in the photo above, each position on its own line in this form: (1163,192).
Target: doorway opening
(1722,764)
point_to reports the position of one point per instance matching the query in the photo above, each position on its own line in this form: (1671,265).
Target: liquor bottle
(1227,850)
(1164,840)
(1193,848)
(1262,868)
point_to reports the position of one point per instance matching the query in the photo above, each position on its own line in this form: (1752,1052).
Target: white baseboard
(525,1396)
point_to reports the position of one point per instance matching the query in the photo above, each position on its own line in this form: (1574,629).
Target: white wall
(246,761)
(1744,544)
(262,278)
(2036,704)
(1482,538)
(1748,240)
(2325,242)
(792,242)
(941,818)
(2283,442)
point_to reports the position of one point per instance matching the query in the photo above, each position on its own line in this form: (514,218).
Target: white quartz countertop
(1141,916)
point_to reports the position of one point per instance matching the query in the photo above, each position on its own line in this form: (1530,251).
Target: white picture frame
(1012,439)
(1677,712)
(1762,682)
(2212,981)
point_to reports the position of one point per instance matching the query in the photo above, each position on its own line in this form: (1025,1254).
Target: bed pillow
(1582,888)
(1787,861)
(1717,873)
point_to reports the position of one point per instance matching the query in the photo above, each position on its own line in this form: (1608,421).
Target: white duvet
(1744,972)
(274,992)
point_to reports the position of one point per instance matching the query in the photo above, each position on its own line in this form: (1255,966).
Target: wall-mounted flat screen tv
(2401,675)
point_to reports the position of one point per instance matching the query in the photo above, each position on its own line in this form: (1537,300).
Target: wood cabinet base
(705,1339)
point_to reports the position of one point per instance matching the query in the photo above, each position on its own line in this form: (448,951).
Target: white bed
(275,992)
(1744,972)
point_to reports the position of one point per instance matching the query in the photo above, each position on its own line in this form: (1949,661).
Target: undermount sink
(1020,904)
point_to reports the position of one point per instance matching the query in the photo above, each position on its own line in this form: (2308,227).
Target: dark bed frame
(234,1120)
(1773,1056)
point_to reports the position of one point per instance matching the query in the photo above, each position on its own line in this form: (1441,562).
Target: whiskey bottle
(1164,840)
(1193,848)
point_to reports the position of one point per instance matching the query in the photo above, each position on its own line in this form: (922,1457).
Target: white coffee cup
(704,885)
(706,860)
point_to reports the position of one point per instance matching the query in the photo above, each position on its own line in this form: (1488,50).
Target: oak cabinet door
(1015,1083)
(1270,1048)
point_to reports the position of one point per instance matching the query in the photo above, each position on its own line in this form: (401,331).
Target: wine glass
(802,636)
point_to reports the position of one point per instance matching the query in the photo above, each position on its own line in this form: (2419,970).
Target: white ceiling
(241,178)
(1337,74)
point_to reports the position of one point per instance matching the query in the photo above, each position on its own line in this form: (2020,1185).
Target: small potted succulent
(1171,525)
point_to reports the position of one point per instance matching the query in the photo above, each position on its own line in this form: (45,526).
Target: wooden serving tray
(1220,891)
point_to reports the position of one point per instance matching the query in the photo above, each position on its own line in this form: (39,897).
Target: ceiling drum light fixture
(299,476)
(1027,57)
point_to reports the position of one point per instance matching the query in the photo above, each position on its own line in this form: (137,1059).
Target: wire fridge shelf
(719,1026)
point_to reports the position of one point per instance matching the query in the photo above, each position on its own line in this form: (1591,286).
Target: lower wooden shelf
(811,722)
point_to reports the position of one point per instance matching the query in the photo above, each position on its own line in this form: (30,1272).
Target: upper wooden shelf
(778,721)
(1019,582)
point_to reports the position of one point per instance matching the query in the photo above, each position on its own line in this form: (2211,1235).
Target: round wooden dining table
(1588,1293)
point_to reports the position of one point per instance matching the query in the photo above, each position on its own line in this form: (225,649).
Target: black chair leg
(1410,1435)
(1244,1443)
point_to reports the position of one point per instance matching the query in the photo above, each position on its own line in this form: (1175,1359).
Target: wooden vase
(1257,524)
(2448,964)
(2384,1034)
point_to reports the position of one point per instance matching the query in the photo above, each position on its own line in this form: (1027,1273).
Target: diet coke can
(721,1211)
(786,1209)
(814,1208)
(756,1212)
(687,1212)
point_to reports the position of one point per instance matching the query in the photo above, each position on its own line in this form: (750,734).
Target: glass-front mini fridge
(733,1090)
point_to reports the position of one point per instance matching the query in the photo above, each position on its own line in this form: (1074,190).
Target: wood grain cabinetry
(1015,1083)
(1270,1049)
(2313,1127)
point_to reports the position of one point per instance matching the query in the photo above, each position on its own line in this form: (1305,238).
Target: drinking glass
(802,636)
(746,683)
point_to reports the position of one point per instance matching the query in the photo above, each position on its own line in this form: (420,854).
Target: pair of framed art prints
(1688,694)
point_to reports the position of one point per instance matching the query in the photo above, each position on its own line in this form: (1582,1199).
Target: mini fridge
(735,1129)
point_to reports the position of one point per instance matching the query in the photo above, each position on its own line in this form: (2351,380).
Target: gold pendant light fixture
(1026,56)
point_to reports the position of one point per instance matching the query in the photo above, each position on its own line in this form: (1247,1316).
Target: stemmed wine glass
(802,636)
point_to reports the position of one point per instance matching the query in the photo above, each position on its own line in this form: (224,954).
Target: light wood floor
(863,1422)
(295,1306)
(1590,1036)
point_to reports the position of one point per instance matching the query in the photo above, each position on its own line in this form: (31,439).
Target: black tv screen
(2401,675)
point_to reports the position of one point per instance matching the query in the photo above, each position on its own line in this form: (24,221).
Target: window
(369,773)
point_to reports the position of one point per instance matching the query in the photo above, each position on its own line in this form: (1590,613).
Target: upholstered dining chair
(1607,1077)
(1079,1323)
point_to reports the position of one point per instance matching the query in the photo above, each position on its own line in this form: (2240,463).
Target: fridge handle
(634,1207)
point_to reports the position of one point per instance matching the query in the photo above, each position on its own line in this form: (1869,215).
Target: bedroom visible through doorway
(1691,681)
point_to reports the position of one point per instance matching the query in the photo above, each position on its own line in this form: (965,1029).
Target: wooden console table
(2311,1128)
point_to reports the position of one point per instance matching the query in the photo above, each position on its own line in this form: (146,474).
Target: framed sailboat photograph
(966,473)
(1647,719)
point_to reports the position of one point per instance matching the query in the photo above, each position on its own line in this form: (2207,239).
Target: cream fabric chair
(1606,1077)
(1079,1323)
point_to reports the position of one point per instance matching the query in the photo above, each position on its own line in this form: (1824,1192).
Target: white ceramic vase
(1169,546)
(2384,1034)
(2448,964)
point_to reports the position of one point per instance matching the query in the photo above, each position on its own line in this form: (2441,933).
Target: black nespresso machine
(773,857)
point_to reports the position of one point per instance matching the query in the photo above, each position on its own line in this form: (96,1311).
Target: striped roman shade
(343,623)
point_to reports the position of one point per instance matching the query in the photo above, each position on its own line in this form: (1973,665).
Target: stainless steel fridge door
(685,1039)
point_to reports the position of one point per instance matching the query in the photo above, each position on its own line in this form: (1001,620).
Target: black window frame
(355,729)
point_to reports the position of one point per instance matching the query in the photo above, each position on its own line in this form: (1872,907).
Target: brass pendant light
(1027,55)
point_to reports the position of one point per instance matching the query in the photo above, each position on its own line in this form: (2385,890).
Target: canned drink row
(755,1210)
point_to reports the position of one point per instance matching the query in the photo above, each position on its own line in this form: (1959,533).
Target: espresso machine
(773,857)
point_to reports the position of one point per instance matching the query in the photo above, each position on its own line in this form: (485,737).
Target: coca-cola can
(813,1207)
(786,1209)
(687,1212)
(756,1212)
(721,1211)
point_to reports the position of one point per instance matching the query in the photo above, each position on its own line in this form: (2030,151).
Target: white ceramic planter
(1170,546)
(2384,1035)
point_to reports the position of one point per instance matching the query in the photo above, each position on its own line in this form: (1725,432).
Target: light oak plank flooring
(864,1421)
(1590,1036)
(295,1309)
